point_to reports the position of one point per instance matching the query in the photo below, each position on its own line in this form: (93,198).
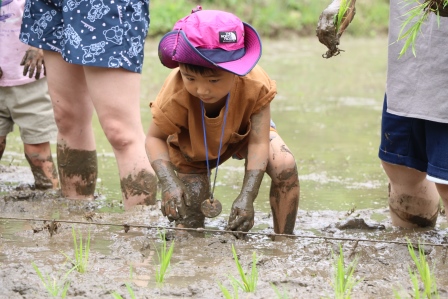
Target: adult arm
(33,62)
(174,194)
(242,212)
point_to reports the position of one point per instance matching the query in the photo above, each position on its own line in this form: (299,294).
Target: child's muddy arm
(242,212)
(174,194)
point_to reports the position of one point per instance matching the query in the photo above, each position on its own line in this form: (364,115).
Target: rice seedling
(81,259)
(164,258)
(424,272)
(55,287)
(280,295)
(226,293)
(128,288)
(130,292)
(343,280)
(416,16)
(339,17)
(248,283)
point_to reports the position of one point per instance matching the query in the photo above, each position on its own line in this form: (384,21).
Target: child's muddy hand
(242,215)
(33,61)
(175,197)
(174,202)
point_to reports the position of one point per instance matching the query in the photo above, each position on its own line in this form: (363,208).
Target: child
(24,100)
(217,91)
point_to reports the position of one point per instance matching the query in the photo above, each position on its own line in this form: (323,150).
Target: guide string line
(127,226)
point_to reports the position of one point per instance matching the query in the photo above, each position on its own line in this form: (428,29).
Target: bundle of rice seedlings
(416,16)
(332,23)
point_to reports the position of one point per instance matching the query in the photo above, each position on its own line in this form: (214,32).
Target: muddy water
(327,111)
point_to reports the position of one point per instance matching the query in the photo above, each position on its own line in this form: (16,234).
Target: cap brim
(185,52)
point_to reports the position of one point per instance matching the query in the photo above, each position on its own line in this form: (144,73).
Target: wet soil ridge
(301,267)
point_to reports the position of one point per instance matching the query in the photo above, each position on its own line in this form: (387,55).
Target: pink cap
(214,39)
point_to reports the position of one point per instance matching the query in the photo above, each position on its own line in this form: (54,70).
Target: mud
(80,166)
(438,7)
(300,266)
(327,32)
(42,180)
(144,183)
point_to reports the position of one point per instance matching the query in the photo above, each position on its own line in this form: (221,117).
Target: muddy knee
(410,211)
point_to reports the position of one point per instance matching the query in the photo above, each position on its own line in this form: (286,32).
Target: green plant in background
(424,272)
(343,280)
(164,258)
(55,287)
(273,17)
(81,259)
(248,283)
(415,18)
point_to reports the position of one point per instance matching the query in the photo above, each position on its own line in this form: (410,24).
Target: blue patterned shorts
(415,143)
(103,33)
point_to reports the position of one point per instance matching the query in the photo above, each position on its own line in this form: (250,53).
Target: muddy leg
(42,166)
(285,188)
(199,190)
(73,111)
(2,145)
(140,189)
(443,191)
(118,110)
(78,171)
(413,200)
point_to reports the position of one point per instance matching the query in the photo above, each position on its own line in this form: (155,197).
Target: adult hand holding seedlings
(332,23)
(242,212)
(175,196)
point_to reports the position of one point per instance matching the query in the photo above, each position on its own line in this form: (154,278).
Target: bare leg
(443,191)
(285,188)
(413,200)
(73,112)
(42,166)
(115,93)
(2,145)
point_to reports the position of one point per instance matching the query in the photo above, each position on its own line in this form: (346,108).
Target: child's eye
(189,79)
(214,81)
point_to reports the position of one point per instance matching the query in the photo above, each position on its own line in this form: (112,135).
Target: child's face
(209,87)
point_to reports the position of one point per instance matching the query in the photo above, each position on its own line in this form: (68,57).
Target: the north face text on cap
(227,37)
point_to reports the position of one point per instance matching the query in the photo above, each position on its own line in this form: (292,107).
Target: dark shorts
(99,33)
(415,143)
